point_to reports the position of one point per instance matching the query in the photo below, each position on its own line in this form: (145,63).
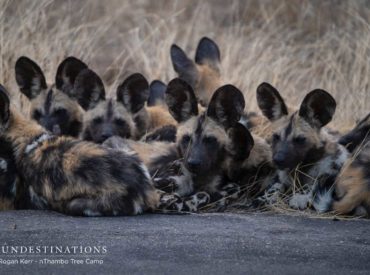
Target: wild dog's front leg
(227,193)
(271,195)
(181,185)
(300,201)
(306,197)
(175,204)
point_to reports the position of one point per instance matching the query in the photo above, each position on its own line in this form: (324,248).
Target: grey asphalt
(190,244)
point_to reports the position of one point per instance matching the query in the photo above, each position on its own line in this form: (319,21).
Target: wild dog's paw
(300,201)
(196,201)
(231,191)
(273,194)
(170,202)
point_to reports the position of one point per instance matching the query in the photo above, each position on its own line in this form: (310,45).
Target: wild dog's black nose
(105,136)
(279,160)
(193,164)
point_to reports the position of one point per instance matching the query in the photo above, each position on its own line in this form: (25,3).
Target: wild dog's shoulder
(335,157)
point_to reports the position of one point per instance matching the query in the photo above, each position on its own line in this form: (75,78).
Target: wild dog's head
(358,135)
(54,107)
(204,74)
(125,117)
(157,91)
(204,140)
(296,137)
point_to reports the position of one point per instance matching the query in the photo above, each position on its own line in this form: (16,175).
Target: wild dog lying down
(126,116)
(206,144)
(73,176)
(249,164)
(52,106)
(351,189)
(157,90)
(306,158)
(8,176)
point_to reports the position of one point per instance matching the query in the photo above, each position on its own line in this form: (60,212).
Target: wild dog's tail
(323,199)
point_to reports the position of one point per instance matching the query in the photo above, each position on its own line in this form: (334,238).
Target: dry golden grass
(295,45)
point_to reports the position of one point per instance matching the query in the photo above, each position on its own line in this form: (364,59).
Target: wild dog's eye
(275,137)
(186,139)
(97,120)
(119,122)
(210,140)
(299,140)
(36,114)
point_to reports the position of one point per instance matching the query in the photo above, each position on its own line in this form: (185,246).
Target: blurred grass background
(296,45)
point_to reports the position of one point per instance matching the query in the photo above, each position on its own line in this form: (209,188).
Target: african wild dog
(54,106)
(305,157)
(156,98)
(195,165)
(351,190)
(249,163)
(204,75)
(157,90)
(72,176)
(127,116)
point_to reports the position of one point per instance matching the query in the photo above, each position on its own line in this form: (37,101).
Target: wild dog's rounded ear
(226,106)
(318,108)
(157,91)
(183,66)
(357,136)
(29,77)
(4,106)
(66,74)
(89,89)
(270,102)
(133,92)
(241,142)
(207,53)
(181,101)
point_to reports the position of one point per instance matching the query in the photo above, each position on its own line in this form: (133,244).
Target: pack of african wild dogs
(187,146)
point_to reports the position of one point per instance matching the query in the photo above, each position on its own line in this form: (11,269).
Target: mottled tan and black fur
(352,188)
(126,116)
(203,74)
(306,158)
(72,176)
(52,106)
(250,162)
(8,176)
(207,144)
